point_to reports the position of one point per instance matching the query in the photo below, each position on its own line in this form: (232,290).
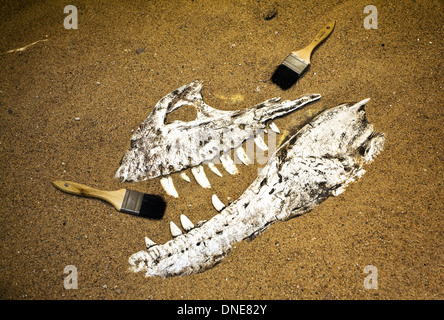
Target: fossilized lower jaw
(159,149)
(319,161)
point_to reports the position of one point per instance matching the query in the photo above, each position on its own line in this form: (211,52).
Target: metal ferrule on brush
(295,63)
(132,202)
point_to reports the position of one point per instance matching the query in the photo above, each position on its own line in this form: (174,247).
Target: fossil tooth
(186,223)
(184,176)
(217,203)
(149,243)
(213,168)
(316,163)
(168,186)
(274,127)
(228,164)
(175,231)
(260,143)
(242,155)
(201,178)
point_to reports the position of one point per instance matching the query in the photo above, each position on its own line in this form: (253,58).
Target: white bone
(242,155)
(260,143)
(263,203)
(274,127)
(186,223)
(143,256)
(184,176)
(213,168)
(201,222)
(149,242)
(175,231)
(201,178)
(168,186)
(228,164)
(218,205)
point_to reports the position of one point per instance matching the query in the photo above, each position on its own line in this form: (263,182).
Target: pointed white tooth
(217,203)
(149,242)
(213,168)
(184,176)
(242,155)
(201,178)
(228,164)
(168,186)
(260,143)
(175,231)
(186,223)
(274,127)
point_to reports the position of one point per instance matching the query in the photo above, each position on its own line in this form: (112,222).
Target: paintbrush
(288,72)
(127,201)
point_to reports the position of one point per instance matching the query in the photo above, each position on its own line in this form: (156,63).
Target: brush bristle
(284,77)
(152,206)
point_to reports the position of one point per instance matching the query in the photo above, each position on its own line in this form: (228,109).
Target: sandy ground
(391,219)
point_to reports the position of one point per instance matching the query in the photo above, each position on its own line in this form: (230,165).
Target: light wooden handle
(305,53)
(113,197)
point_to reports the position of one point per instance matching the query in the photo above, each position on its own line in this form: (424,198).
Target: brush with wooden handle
(288,72)
(127,201)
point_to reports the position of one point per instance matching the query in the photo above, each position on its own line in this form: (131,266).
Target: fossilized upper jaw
(159,149)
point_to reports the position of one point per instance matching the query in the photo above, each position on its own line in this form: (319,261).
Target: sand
(391,219)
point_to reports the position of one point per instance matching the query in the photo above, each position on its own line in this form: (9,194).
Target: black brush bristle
(284,77)
(153,206)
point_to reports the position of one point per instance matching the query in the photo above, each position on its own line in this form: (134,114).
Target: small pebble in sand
(268,10)
(77,118)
